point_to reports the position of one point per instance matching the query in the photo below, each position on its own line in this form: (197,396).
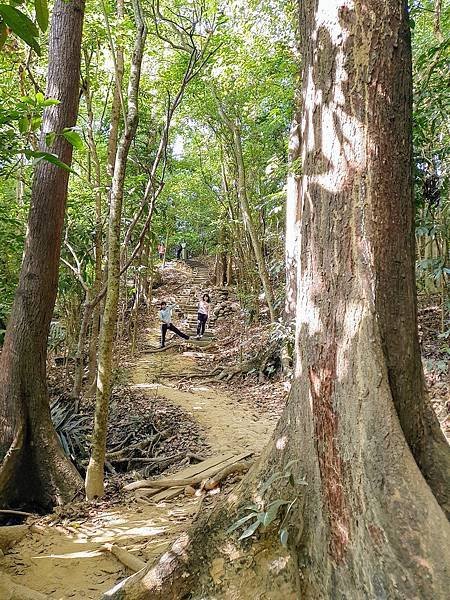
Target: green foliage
(21,25)
(265,513)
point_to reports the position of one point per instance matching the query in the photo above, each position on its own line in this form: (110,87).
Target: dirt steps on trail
(188,298)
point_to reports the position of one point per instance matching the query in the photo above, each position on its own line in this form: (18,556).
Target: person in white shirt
(203,314)
(165,316)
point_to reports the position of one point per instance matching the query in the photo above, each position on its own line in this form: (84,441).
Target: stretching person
(165,316)
(203,314)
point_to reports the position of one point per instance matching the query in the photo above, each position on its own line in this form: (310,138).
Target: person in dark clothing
(202,314)
(178,250)
(165,316)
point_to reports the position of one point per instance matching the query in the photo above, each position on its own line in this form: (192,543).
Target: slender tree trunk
(34,468)
(165,246)
(246,212)
(88,309)
(116,106)
(94,477)
(367,524)
(79,357)
(248,220)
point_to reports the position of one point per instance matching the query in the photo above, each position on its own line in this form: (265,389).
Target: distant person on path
(183,251)
(178,250)
(202,315)
(161,250)
(165,316)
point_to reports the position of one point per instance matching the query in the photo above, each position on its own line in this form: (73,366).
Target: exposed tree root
(126,558)
(239,467)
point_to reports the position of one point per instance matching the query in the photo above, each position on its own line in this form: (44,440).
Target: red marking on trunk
(322,377)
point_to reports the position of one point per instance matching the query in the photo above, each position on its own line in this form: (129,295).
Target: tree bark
(292,213)
(367,524)
(94,484)
(116,106)
(35,469)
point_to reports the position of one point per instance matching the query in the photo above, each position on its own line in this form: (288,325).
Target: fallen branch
(126,558)
(19,513)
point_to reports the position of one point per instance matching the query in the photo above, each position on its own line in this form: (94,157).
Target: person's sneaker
(198,337)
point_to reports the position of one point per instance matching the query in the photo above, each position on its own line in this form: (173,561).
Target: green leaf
(23,125)
(274,477)
(240,522)
(51,158)
(3,34)
(36,122)
(39,98)
(51,102)
(284,537)
(272,511)
(50,138)
(21,26)
(41,8)
(250,530)
(73,138)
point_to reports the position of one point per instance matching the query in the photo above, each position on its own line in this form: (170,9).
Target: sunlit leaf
(23,124)
(74,138)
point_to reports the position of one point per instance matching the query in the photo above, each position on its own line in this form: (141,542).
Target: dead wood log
(9,590)
(12,534)
(126,558)
(168,483)
(239,467)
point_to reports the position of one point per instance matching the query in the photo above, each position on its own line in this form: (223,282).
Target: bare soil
(61,556)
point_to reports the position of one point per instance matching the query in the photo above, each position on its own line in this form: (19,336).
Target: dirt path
(64,560)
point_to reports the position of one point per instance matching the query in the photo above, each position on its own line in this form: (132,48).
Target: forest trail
(228,425)
(64,560)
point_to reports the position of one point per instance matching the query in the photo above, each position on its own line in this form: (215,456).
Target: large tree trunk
(35,469)
(94,484)
(367,524)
